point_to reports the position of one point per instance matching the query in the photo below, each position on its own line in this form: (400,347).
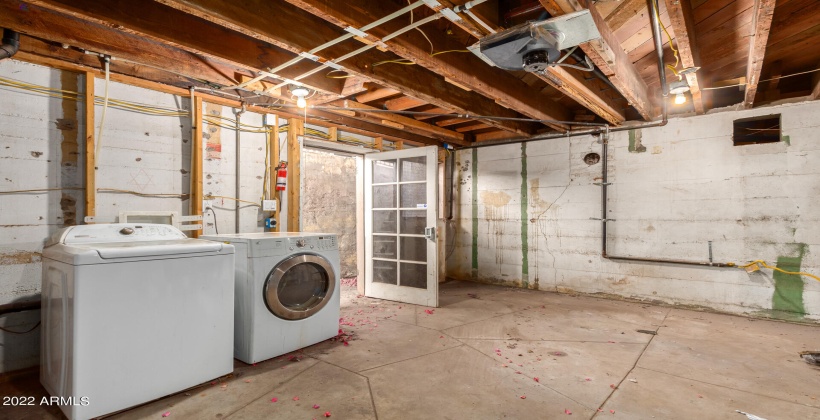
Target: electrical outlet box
(269,120)
(268,205)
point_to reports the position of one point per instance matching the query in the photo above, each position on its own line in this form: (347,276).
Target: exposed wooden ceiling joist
(761,26)
(625,11)
(170,26)
(274,22)
(609,57)
(376,94)
(458,65)
(680,13)
(403,103)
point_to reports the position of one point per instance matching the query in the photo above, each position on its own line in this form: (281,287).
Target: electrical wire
(671,45)
(98,140)
(39,190)
(419,29)
(210,197)
(346,74)
(763,263)
(765,80)
(142,194)
(216,227)
(22,332)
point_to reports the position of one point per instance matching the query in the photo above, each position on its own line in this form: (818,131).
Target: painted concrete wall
(329,201)
(523,214)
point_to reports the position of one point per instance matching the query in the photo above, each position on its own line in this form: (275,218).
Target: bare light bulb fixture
(678,88)
(680,99)
(300,93)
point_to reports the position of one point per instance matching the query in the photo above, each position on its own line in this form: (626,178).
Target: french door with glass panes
(400,225)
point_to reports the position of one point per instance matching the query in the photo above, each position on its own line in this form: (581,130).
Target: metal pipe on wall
(238,115)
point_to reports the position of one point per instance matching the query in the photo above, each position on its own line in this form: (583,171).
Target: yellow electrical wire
(346,76)
(763,263)
(671,45)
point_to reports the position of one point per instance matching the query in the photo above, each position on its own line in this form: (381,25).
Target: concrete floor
(492,352)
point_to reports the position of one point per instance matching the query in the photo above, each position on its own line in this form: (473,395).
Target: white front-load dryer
(287,292)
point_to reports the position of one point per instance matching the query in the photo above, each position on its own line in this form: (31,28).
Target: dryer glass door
(299,286)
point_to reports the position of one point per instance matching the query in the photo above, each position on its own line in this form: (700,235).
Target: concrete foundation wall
(329,201)
(523,214)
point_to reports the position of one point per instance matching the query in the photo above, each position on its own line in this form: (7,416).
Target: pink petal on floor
(428,312)
(247,381)
(295,398)
(518,372)
(345,343)
(441,336)
(612,386)
(589,379)
(315,406)
(327,413)
(523,397)
(566,411)
(536,379)
(611,411)
(274,399)
(166,414)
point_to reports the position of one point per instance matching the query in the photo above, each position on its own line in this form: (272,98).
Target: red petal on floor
(611,411)
(589,379)
(345,343)
(523,397)
(327,413)
(536,379)
(166,414)
(612,386)
(295,398)
(518,372)
(274,399)
(441,336)
(567,412)
(428,312)
(315,406)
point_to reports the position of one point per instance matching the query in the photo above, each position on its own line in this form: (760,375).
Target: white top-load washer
(131,313)
(287,292)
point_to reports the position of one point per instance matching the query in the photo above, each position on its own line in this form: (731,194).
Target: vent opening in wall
(756,130)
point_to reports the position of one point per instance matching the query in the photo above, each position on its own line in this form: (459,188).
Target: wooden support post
(398,144)
(90,144)
(196,161)
(378,143)
(274,163)
(333,133)
(296,128)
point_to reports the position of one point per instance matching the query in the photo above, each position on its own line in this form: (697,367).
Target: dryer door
(299,286)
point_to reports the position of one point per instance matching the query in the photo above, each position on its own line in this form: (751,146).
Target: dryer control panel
(116,232)
(313,243)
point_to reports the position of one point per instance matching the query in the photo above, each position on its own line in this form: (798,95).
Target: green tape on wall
(525,265)
(474,191)
(788,288)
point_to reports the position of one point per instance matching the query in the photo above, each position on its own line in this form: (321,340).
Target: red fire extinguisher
(281,176)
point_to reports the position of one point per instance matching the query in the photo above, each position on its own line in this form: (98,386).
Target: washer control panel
(120,232)
(313,243)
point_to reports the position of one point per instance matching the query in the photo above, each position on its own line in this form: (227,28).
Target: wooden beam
(451,121)
(167,25)
(90,148)
(403,103)
(398,145)
(683,24)
(609,57)
(378,143)
(472,127)
(409,124)
(273,22)
(761,26)
(625,11)
(333,134)
(375,95)
(196,161)
(296,128)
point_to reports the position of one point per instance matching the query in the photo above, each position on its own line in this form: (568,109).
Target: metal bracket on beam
(450,15)
(601,184)
(309,56)
(601,220)
(357,32)
(432,3)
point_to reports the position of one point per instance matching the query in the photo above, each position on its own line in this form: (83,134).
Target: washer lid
(119,232)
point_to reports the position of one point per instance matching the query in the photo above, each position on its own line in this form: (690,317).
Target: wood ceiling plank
(472,127)
(610,58)
(680,14)
(764,12)
(273,22)
(451,121)
(375,95)
(625,11)
(403,103)
(462,67)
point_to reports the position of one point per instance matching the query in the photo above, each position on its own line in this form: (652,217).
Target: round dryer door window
(299,286)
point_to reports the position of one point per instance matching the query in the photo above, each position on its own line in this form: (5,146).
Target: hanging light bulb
(301,102)
(300,93)
(680,99)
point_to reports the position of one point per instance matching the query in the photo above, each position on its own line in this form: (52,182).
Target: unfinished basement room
(409,209)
